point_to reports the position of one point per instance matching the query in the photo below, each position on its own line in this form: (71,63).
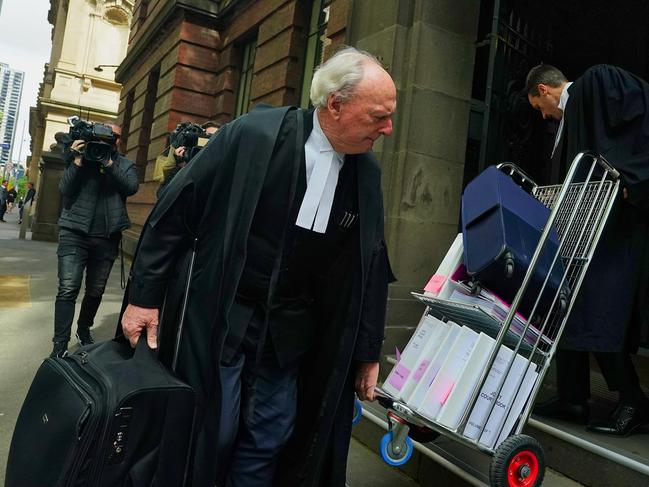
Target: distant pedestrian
(11,197)
(29,198)
(3,200)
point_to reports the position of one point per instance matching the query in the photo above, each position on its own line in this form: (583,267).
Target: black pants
(21,210)
(77,252)
(573,376)
(3,209)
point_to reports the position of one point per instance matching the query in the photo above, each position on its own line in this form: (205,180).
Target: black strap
(122,277)
(183,309)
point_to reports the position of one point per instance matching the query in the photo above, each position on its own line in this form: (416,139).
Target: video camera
(190,136)
(100,139)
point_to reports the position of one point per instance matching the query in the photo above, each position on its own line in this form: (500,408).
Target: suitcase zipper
(106,383)
(83,444)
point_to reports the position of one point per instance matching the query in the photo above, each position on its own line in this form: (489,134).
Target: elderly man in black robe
(606,110)
(287,296)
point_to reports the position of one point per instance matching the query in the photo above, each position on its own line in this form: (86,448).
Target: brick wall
(280,28)
(199,64)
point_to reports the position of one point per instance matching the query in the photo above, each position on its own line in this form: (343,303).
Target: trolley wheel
(401,455)
(517,462)
(422,434)
(358,412)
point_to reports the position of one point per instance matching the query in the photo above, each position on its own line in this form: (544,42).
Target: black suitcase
(104,416)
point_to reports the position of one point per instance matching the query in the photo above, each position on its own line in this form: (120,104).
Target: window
(316,42)
(126,120)
(147,121)
(245,82)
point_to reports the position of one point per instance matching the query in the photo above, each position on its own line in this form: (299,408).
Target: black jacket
(608,112)
(223,184)
(29,196)
(85,187)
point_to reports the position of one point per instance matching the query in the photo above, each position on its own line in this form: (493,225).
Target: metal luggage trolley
(580,208)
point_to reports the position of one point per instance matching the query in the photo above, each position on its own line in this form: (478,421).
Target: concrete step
(591,459)
(441,463)
(594,460)
(366,469)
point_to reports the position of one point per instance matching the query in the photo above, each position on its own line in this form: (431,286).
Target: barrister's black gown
(608,112)
(214,199)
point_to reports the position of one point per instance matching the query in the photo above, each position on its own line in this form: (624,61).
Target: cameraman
(92,218)
(182,147)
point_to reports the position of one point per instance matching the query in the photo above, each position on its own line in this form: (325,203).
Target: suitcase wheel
(474,287)
(509,266)
(396,453)
(563,303)
(358,412)
(517,462)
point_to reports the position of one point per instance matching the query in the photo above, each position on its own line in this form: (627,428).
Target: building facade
(11,89)
(89,40)
(459,68)
(197,60)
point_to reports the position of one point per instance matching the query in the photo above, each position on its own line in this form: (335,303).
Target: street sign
(5,146)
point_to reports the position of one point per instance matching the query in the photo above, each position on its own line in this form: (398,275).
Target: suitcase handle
(519,176)
(143,352)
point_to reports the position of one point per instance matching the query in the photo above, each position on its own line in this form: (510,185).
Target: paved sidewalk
(9,230)
(27,319)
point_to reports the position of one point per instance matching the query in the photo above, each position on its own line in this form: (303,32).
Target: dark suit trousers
(258,406)
(573,375)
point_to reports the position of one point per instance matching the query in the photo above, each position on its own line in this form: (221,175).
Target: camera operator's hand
(180,151)
(77,151)
(107,162)
(135,319)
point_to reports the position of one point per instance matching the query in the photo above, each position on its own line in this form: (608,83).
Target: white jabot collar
(323,165)
(563,101)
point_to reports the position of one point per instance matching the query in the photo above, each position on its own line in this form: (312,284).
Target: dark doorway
(515,35)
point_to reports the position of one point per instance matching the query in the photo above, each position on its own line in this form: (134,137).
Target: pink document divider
(423,365)
(399,376)
(435,284)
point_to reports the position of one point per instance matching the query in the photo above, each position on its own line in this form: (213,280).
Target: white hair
(339,74)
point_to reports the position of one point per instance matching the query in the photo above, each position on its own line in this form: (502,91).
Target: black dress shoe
(559,408)
(624,420)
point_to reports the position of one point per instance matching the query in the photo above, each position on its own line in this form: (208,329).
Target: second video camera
(100,139)
(190,136)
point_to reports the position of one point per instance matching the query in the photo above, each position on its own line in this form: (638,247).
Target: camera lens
(97,151)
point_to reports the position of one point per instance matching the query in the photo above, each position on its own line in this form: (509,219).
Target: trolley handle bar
(519,176)
(601,162)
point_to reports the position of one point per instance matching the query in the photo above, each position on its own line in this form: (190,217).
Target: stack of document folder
(485,313)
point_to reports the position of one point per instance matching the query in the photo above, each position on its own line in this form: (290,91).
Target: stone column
(44,225)
(428,47)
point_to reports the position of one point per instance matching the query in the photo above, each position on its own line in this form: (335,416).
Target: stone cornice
(75,109)
(53,12)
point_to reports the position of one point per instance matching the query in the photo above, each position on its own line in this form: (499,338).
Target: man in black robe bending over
(606,110)
(289,286)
